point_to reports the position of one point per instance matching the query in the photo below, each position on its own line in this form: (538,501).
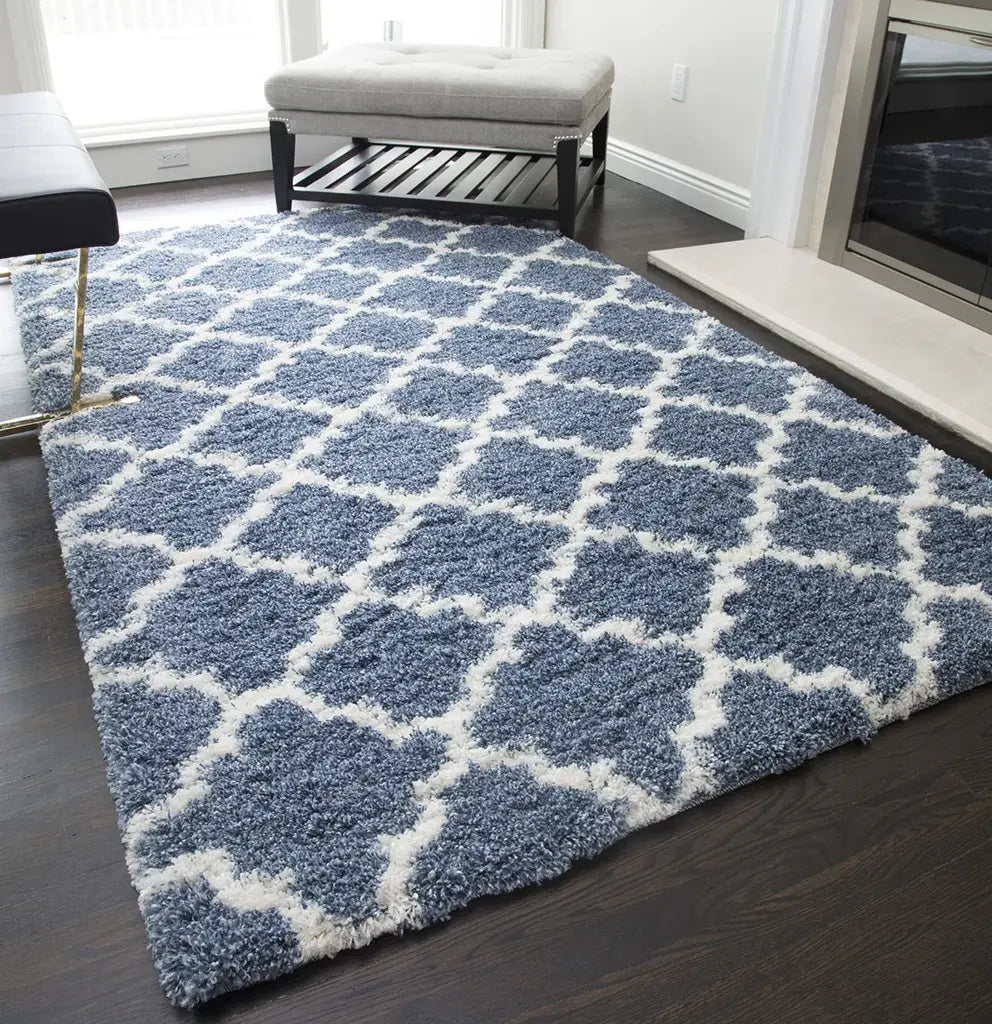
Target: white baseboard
(134,163)
(696,188)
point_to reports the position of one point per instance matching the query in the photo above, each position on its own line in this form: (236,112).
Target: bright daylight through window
(122,67)
(131,65)
(478,23)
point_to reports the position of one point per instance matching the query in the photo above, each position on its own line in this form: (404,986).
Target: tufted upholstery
(553,87)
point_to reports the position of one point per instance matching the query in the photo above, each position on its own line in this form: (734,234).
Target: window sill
(95,138)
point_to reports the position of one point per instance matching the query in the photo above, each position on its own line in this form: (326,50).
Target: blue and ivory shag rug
(436,556)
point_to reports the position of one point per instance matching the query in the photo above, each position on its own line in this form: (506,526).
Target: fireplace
(868,227)
(911,199)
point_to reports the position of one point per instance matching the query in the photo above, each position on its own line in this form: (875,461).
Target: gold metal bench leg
(82,271)
(76,403)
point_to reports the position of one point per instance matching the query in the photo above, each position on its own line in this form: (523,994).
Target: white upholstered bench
(486,129)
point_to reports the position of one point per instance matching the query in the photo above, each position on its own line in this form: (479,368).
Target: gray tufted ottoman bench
(484,129)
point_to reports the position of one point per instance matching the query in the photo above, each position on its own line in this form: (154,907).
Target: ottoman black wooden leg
(599,136)
(283,152)
(567,159)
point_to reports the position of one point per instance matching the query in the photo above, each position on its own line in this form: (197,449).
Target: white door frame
(800,86)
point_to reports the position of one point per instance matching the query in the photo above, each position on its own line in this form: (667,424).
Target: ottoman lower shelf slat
(435,177)
(439,186)
(362,176)
(334,167)
(424,170)
(404,167)
(499,182)
(528,183)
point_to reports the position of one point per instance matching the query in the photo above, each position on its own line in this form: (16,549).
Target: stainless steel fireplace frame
(835,245)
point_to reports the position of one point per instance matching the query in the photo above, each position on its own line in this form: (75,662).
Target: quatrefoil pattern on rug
(438,555)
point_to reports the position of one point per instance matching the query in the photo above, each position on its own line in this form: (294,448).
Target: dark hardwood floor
(857,888)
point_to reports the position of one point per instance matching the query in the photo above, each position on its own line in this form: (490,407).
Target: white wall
(703,150)
(135,163)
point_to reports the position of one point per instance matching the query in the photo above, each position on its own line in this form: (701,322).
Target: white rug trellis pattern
(437,555)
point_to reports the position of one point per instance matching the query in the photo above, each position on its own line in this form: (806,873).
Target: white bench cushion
(558,87)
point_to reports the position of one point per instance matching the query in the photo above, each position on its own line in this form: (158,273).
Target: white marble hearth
(932,362)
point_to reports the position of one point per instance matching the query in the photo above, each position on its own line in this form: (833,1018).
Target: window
(127,70)
(121,65)
(479,23)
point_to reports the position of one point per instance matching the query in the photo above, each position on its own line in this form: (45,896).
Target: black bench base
(451,178)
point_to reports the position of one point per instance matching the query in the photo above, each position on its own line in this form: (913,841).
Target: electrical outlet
(680,72)
(172,156)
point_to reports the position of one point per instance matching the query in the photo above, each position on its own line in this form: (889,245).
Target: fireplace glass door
(924,202)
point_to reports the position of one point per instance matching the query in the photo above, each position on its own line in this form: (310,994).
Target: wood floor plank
(852,889)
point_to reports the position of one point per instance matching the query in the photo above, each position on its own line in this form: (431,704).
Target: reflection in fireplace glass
(925,197)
